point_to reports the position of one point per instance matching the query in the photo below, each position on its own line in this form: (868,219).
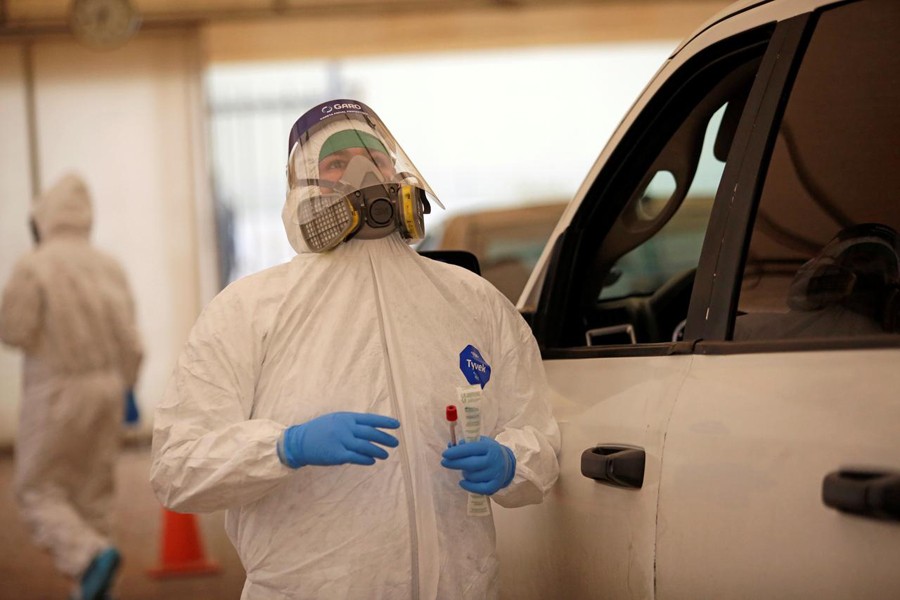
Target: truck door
(611,324)
(781,465)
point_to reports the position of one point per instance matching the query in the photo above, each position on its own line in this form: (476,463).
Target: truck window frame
(596,214)
(714,308)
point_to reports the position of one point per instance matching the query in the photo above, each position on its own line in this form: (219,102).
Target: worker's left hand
(488,466)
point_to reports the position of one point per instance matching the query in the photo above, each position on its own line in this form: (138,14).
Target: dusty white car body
(769,468)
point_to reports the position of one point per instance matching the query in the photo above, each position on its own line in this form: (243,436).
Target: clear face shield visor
(348,177)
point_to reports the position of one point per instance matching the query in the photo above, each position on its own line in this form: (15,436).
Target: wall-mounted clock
(104,23)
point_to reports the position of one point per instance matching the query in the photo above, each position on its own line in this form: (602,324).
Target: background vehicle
(506,241)
(704,458)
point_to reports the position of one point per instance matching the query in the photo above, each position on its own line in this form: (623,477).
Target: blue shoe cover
(99,575)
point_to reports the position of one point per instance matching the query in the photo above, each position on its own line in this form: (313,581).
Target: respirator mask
(348,177)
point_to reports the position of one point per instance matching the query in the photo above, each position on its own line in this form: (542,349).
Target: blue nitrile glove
(132,415)
(337,439)
(488,466)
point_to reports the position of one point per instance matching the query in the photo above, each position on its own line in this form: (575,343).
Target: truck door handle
(863,492)
(621,466)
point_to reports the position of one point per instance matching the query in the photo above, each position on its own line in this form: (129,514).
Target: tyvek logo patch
(474,367)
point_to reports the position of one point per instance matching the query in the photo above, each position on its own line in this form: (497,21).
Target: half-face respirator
(360,205)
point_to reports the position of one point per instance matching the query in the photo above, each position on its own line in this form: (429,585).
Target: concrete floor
(27,573)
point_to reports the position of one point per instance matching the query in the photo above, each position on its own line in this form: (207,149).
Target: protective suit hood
(64,209)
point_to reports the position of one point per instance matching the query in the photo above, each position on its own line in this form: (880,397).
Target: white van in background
(724,366)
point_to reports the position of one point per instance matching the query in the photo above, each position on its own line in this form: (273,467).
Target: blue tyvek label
(474,367)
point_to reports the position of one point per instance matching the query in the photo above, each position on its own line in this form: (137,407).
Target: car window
(676,247)
(633,267)
(823,254)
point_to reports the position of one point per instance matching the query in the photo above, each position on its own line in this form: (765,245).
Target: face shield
(348,177)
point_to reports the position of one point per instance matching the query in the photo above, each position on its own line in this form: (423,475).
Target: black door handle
(864,492)
(621,466)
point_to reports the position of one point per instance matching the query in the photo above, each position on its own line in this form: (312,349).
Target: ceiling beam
(336,36)
(259,30)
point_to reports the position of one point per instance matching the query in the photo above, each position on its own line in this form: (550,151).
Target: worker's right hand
(337,439)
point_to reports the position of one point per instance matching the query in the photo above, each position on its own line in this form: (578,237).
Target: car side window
(632,268)
(676,246)
(652,282)
(824,254)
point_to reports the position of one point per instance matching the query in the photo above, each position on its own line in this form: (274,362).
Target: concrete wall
(15,190)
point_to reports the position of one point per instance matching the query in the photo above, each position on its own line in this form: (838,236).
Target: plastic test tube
(452,418)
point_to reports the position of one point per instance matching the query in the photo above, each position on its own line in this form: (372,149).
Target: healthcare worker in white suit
(309,399)
(69,307)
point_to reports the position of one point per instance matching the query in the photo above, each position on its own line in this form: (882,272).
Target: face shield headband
(348,177)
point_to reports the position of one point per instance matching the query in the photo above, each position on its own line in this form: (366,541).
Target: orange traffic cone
(181,553)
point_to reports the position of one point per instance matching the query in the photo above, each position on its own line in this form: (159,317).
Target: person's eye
(335,164)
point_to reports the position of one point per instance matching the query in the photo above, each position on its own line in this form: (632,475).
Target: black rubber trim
(547,319)
(619,350)
(873,342)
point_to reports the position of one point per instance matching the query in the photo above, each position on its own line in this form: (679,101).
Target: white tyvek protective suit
(370,326)
(68,306)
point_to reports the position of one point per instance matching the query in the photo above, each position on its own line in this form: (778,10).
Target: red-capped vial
(452,418)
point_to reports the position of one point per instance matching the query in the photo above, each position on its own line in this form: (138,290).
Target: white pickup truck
(718,309)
